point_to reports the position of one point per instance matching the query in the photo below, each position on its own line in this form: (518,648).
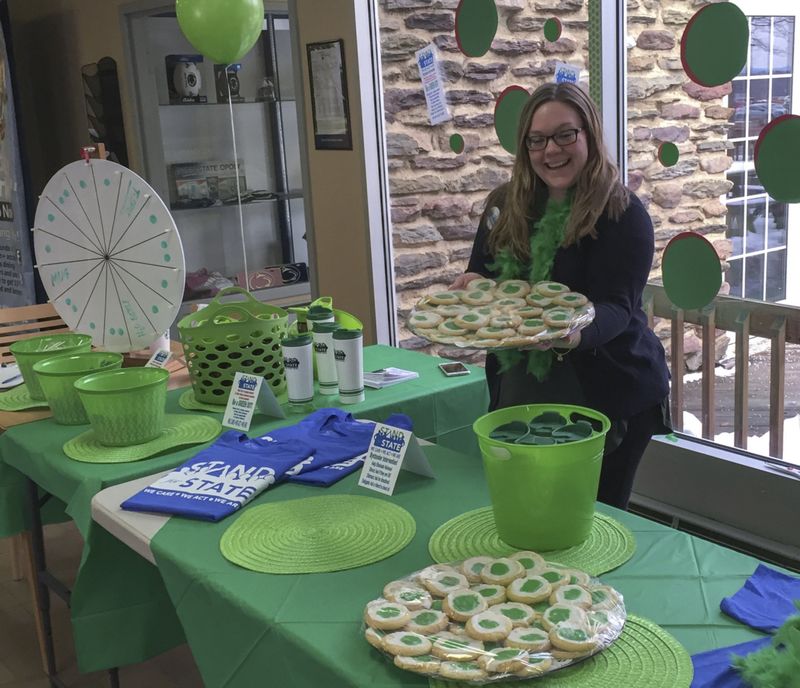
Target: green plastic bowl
(57,375)
(29,351)
(125,406)
(543,496)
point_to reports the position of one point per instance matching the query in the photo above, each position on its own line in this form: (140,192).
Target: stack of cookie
(510,314)
(488,619)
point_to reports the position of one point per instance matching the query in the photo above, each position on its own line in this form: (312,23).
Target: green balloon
(222,30)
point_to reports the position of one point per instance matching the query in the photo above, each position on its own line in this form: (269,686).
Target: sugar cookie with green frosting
(451,310)
(511,320)
(386,616)
(439,584)
(578,577)
(564,614)
(535,666)
(526,312)
(407,593)
(427,622)
(536,299)
(455,647)
(513,288)
(424,320)
(462,671)
(460,605)
(443,298)
(571,594)
(604,597)
(502,571)
(488,625)
(472,320)
(510,303)
(506,660)
(530,639)
(422,664)
(531,326)
(481,284)
(558,317)
(531,561)
(477,297)
(406,643)
(555,576)
(452,328)
(519,614)
(495,332)
(529,590)
(473,566)
(374,637)
(572,638)
(493,594)
(550,289)
(570,299)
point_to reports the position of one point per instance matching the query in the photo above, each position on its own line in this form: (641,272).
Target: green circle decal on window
(691,271)
(777,158)
(668,154)
(476,25)
(506,116)
(714,44)
(552,29)
(457,143)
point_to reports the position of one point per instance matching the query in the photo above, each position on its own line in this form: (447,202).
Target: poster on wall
(329,107)
(16,268)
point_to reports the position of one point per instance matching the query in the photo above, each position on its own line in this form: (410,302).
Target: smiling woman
(566,217)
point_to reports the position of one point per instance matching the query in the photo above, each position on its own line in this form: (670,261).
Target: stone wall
(437,196)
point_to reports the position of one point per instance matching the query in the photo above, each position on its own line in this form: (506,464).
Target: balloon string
(238,190)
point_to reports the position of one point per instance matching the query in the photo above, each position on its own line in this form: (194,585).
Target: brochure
(386,377)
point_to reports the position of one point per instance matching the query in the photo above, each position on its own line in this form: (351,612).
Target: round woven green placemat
(317,534)
(610,544)
(179,429)
(644,656)
(188,401)
(19,399)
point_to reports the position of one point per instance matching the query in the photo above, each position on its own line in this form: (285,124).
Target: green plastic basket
(29,351)
(126,406)
(543,496)
(57,376)
(224,338)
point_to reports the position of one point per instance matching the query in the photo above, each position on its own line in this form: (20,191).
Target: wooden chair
(22,323)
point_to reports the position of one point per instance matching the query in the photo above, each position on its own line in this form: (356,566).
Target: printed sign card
(248,393)
(432,85)
(390,450)
(159,359)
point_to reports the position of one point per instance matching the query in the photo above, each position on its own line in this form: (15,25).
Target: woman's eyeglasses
(565,137)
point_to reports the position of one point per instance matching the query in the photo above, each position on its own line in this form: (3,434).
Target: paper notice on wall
(432,85)
(566,72)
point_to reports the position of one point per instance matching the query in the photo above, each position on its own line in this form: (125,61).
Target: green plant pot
(57,376)
(29,351)
(126,406)
(543,496)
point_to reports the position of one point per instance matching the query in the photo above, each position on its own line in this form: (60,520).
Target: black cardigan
(620,364)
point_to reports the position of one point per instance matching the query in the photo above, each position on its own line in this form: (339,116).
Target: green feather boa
(778,664)
(547,235)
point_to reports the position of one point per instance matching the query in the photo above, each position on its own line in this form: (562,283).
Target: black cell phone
(453,369)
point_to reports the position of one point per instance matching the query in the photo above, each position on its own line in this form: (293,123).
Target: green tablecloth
(244,627)
(121,613)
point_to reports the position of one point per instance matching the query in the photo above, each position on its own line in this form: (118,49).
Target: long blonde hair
(598,187)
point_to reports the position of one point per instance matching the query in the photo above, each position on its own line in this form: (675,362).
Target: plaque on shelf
(184,81)
(200,184)
(227,81)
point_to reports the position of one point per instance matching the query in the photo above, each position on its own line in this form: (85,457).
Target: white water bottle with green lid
(327,376)
(348,350)
(299,367)
(318,314)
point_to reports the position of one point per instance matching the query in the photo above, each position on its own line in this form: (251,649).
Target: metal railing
(777,323)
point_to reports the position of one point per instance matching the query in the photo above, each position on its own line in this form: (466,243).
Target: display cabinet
(185,105)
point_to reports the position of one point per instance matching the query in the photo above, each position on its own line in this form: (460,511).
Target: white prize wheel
(109,254)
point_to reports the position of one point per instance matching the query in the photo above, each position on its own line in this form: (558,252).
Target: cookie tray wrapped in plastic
(509,315)
(486,619)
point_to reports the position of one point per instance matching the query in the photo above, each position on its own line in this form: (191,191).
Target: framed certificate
(329,106)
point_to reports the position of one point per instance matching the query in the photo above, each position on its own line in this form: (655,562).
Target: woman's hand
(462,281)
(569,342)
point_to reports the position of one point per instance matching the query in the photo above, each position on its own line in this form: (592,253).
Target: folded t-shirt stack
(319,450)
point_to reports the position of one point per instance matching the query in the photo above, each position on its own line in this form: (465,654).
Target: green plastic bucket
(543,496)
(29,351)
(126,406)
(57,376)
